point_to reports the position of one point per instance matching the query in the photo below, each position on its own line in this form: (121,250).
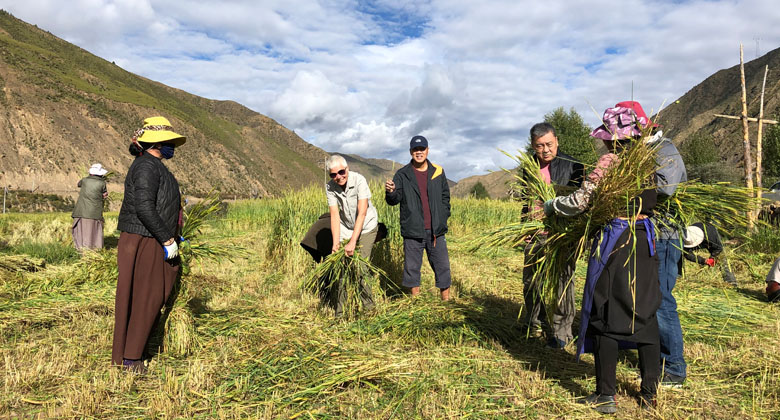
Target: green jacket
(407,193)
(90,202)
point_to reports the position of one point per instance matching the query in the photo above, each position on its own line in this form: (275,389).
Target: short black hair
(542,129)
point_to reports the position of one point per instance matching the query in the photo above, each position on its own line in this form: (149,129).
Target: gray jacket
(670,172)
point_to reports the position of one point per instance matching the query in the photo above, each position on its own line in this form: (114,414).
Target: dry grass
(265,350)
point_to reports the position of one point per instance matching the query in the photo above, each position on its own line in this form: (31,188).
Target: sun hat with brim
(693,237)
(159,130)
(640,112)
(97,169)
(620,123)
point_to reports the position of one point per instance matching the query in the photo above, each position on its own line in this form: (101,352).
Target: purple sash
(599,255)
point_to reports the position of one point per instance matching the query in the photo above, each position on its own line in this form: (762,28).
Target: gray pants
(364,245)
(87,233)
(535,315)
(437,257)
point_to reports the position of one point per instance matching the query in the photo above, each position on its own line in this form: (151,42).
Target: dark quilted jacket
(407,193)
(152,200)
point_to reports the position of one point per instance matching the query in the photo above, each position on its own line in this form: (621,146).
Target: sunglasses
(341,172)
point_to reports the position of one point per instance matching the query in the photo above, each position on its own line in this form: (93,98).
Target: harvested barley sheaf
(343,278)
(566,239)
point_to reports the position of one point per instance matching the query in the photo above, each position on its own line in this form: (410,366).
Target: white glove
(171,251)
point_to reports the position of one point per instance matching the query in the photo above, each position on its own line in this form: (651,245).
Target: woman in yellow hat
(147,256)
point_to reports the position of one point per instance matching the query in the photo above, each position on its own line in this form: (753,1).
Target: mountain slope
(721,94)
(62,108)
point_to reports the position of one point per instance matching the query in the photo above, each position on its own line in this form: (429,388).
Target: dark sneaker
(556,343)
(672,381)
(647,402)
(604,404)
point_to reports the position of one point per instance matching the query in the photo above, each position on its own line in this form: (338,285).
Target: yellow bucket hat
(159,130)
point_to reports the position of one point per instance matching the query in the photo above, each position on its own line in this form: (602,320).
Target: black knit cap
(418,141)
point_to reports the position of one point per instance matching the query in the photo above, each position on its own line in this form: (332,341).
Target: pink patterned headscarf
(620,123)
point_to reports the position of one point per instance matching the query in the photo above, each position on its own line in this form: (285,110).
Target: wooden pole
(745,138)
(759,140)
(751,119)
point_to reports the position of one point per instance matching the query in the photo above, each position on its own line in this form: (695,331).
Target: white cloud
(363,77)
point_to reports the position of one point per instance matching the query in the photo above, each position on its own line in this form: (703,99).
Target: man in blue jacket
(421,189)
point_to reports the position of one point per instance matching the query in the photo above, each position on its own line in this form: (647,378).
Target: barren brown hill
(693,113)
(494,182)
(62,108)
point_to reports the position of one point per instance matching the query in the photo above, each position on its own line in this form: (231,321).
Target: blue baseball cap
(418,141)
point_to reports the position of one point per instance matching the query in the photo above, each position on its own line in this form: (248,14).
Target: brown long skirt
(144,285)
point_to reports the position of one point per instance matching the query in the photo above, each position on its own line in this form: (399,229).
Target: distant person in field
(352,217)
(87,216)
(559,169)
(773,282)
(147,254)
(621,288)
(422,191)
(705,236)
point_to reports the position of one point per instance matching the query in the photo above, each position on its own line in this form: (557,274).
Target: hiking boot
(647,402)
(672,381)
(604,404)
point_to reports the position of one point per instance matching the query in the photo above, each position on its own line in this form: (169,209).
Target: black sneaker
(604,404)
(672,381)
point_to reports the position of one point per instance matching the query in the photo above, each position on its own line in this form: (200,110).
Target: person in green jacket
(87,216)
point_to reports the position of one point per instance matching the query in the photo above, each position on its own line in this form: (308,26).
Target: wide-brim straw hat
(159,130)
(693,237)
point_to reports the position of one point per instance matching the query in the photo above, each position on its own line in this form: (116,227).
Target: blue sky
(365,76)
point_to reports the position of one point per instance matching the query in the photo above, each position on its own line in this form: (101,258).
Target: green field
(265,349)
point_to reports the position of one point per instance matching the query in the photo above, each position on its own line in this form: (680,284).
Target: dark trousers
(144,284)
(606,356)
(535,314)
(436,248)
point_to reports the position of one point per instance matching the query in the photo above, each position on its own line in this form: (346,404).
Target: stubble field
(265,349)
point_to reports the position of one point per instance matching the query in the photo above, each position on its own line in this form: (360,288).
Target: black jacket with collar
(152,200)
(407,193)
(565,171)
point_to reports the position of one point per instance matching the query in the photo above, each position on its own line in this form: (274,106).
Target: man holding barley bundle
(422,191)
(353,218)
(622,291)
(560,169)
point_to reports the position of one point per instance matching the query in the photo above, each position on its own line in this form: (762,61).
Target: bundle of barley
(96,266)
(343,277)
(722,204)
(563,239)
(180,335)
(21,263)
